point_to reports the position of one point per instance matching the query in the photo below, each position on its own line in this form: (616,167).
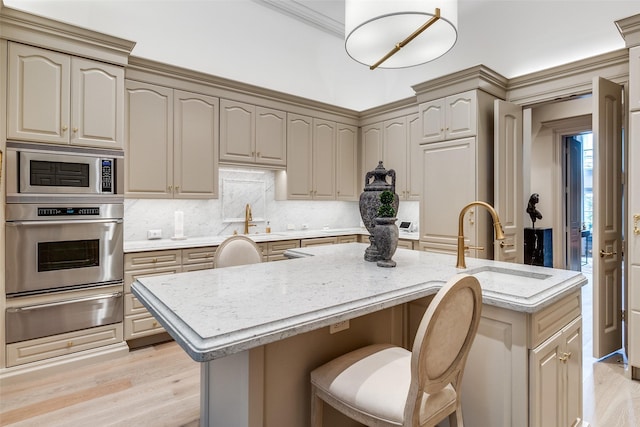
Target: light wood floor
(159,386)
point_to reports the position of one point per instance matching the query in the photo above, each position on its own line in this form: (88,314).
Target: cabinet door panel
(195,145)
(38,95)
(347,163)
(449,182)
(573,348)
(237,132)
(149,141)
(395,152)
(371,148)
(324,154)
(546,383)
(98,104)
(414,162)
(299,155)
(271,137)
(433,122)
(460,117)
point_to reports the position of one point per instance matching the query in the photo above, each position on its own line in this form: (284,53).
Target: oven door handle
(63,302)
(63,222)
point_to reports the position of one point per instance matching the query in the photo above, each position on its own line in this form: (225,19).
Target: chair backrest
(443,339)
(237,250)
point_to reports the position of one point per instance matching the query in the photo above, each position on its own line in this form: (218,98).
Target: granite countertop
(218,312)
(201,241)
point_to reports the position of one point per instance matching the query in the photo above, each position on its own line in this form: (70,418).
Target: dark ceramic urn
(375,182)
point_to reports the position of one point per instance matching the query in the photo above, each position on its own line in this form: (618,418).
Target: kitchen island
(259,330)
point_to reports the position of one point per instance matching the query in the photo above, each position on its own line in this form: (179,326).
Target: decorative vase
(386,238)
(375,183)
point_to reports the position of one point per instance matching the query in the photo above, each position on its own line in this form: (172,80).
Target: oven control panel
(53,211)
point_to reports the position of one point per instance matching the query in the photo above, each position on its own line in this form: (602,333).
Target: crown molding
(477,77)
(307,15)
(629,28)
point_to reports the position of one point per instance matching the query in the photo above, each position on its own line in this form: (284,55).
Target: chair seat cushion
(374,381)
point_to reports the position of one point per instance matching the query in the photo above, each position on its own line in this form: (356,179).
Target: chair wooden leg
(316,409)
(455,418)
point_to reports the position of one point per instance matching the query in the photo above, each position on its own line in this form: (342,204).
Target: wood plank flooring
(160,386)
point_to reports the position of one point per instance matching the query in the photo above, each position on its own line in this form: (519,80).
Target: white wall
(205,217)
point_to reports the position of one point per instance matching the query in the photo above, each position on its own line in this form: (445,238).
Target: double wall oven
(64,240)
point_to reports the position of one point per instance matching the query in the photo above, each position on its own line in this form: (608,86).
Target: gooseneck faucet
(247,218)
(460,263)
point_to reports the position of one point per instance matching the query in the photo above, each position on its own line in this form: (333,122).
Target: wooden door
(299,157)
(271,137)
(195,146)
(38,95)
(97,108)
(148,141)
(347,181)
(607,218)
(574,204)
(507,181)
(324,159)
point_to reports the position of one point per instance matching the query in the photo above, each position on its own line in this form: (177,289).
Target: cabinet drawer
(276,248)
(318,241)
(198,255)
(63,344)
(197,267)
(155,259)
(348,239)
(550,320)
(406,244)
(141,325)
(132,305)
(131,276)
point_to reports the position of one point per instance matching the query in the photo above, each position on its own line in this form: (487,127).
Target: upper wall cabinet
(347,163)
(449,118)
(62,99)
(172,143)
(252,134)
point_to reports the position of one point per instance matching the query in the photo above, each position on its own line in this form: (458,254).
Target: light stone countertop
(218,312)
(201,241)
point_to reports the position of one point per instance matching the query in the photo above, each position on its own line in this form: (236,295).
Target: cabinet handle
(636,219)
(64,128)
(170,188)
(506,245)
(154,260)
(477,248)
(69,344)
(177,188)
(565,357)
(258,154)
(154,325)
(75,130)
(471,220)
(604,254)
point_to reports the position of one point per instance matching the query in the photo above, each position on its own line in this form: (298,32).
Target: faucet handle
(477,248)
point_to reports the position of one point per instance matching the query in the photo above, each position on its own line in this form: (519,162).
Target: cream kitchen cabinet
(348,187)
(449,118)
(252,134)
(311,147)
(172,143)
(401,152)
(61,99)
(556,378)
(372,147)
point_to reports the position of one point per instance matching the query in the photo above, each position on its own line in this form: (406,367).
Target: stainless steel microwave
(39,170)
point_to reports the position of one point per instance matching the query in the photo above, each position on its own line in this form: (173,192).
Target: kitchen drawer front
(154,259)
(406,244)
(196,267)
(550,320)
(132,305)
(353,238)
(141,325)
(277,248)
(131,276)
(59,345)
(198,256)
(318,241)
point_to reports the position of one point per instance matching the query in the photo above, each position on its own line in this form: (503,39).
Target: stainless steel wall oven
(64,240)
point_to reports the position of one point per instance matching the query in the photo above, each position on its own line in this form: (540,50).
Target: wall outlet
(291,227)
(305,226)
(340,326)
(154,234)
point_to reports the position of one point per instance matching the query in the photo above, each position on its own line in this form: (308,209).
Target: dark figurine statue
(531,208)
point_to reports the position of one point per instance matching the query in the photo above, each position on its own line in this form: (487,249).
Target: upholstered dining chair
(385,385)
(237,250)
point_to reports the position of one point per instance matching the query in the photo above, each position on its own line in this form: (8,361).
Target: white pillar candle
(178,230)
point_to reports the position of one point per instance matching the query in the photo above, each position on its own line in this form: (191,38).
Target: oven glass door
(52,255)
(43,173)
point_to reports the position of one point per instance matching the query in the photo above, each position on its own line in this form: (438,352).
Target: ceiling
(297,46)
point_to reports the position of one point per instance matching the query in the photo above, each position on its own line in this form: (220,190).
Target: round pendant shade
(374,27)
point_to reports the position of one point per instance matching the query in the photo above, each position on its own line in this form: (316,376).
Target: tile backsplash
(224,216)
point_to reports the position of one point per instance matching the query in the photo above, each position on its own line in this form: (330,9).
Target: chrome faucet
(248,218)
(461,246)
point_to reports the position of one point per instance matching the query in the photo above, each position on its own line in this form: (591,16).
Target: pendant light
(399,33)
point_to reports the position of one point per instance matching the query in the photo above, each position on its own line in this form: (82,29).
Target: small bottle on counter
(268,228)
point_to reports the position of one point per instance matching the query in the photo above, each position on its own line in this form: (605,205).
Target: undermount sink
(501,273)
